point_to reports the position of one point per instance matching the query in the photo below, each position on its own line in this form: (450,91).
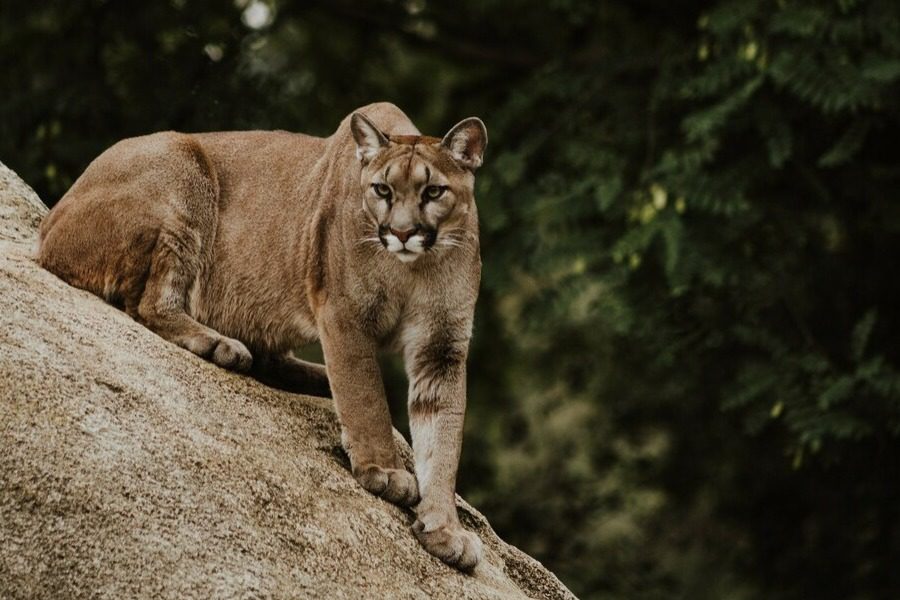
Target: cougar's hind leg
(182,250)
(162,306)
(289,373)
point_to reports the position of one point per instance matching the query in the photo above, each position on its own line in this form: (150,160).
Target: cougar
(241,246)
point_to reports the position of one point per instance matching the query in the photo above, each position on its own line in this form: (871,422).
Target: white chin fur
(406,257)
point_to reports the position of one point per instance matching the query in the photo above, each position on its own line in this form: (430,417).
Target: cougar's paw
(450,543)
(394,485)
(231,354)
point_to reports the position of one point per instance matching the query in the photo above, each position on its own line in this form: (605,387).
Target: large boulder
(130,468)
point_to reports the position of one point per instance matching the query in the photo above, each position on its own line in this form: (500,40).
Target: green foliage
(685,380)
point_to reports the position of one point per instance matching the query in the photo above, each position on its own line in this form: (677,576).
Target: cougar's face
(417,192)
(418,201)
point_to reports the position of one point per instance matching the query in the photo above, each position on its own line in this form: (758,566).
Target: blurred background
(685,377)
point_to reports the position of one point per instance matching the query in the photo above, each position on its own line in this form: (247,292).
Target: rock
(130,468)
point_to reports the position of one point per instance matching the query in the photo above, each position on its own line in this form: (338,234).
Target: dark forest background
(685,379)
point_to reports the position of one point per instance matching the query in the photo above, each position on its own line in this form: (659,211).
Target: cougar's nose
(404,235)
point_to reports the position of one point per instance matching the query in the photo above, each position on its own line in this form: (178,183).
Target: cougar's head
(418,190)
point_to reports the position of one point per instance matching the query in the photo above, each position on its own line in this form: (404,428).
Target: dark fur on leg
(288,373)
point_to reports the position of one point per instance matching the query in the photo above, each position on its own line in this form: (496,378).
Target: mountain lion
(241,246)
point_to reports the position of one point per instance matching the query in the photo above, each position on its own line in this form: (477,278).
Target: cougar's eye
(382,190)
(433,192)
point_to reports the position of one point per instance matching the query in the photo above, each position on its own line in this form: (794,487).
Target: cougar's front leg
(366,432)
(437,402)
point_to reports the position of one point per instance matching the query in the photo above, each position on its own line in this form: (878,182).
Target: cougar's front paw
(450,543)
(394,485)
(231,354)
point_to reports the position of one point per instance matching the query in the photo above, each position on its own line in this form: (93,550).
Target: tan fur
(258,242)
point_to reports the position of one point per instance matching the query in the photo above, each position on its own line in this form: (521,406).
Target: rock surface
(130,468)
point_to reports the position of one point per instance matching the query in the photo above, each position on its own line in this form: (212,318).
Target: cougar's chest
(380,312)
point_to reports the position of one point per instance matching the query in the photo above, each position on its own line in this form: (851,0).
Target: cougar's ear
(369,140)
(466,142)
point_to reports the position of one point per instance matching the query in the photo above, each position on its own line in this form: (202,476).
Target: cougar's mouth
(407,246)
